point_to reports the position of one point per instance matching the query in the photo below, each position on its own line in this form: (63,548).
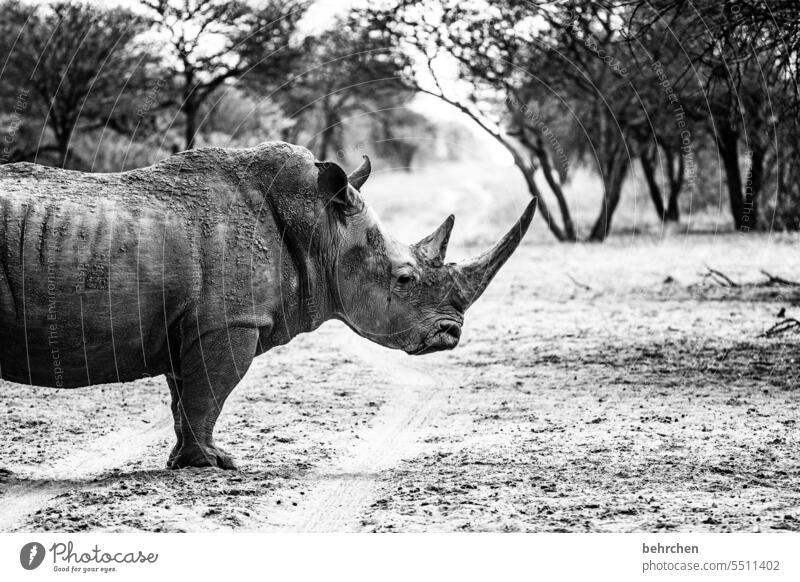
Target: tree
(78,66)
(345,70)
(582,63)
(212,42)
(667,139)
(743,55)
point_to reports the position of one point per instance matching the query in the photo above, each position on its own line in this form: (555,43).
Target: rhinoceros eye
(405,278)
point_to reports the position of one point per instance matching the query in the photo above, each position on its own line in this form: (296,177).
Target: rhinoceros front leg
(211,367)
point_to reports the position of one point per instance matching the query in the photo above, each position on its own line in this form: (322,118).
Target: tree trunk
(676,177)
(612,183)
(533,189)
(547,170)
(539,151)
(325,141)
(407,153)
(673,213)
(63,150)
(752,188)
(728,147)
(190,106)
(190,110)
(63,138)
(652,182)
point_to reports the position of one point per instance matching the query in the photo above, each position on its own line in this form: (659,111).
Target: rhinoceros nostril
(450,328)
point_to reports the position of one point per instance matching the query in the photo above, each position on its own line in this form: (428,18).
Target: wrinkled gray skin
(195,265)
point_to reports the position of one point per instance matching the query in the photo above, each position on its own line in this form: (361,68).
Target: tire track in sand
(31,490)
(343,491)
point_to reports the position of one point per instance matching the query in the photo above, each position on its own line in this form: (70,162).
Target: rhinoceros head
(402,296)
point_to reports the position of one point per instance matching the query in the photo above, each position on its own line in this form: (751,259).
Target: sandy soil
(597,388)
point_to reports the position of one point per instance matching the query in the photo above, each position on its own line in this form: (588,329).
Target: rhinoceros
(193,266)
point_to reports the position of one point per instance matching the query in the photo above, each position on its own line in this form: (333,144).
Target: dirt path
(349,485)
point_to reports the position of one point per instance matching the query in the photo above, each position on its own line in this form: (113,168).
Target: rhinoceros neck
(285,179)
(313,300)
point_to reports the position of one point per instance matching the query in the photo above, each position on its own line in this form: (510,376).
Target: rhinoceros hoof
(196,456)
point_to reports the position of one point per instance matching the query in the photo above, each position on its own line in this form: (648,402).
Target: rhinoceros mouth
(444,337)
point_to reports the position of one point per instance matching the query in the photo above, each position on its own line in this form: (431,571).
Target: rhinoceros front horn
(360,174)
(474,275)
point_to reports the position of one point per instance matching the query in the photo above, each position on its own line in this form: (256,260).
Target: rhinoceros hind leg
(211,367)
(175,387)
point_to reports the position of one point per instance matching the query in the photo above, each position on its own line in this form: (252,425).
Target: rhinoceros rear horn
(474,275)
(360,174)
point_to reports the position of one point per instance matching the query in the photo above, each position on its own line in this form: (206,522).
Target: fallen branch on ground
(719,278)
(790,324)
(774,280)
(724,280)
(578,283)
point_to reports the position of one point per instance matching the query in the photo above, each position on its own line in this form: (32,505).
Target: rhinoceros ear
(333,184)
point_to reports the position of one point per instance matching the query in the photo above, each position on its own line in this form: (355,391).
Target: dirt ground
(596,388)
